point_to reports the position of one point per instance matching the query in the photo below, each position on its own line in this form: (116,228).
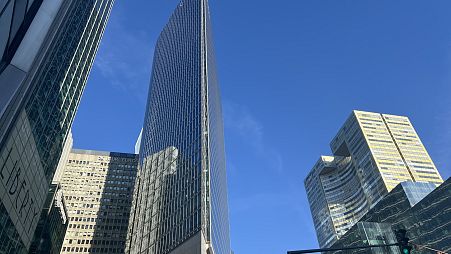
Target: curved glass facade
(336,197)
(181,189)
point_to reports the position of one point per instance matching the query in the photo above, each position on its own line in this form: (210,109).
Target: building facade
(365,234)
(63,159)
(180,200)
(341,193)
(53,222)
(372,153)
(52,225)
(427,221)
(420,208)
(15,19)
(98,188)
(47,49)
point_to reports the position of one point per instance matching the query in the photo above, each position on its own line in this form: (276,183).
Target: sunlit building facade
(47,48)
(98,188)
(180,200)
(372,153)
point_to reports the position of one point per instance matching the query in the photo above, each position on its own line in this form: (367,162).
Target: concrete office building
(47,48)
(180,200)
(372,153)
(98,188)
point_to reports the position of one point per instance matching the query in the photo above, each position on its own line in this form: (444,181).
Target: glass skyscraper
(372,153)
(180,200)
(47,49)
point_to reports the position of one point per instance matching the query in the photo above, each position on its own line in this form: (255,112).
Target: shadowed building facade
(372,153)
(52,226)
(47,48)
(180,200)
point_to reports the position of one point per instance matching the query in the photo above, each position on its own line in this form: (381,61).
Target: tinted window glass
(2,4)
(30,2)
(5,23)
(19,13)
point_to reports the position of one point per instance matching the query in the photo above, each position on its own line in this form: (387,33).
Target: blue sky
(290,75)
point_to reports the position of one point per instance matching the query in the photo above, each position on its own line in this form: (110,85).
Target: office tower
(49,53)
(52,226)
(420,208)
(180,200)
(98,188)
(372,153)
(334,189)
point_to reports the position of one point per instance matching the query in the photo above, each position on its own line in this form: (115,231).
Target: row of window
(97,242)
(93,250)
(101,227)
(87,162)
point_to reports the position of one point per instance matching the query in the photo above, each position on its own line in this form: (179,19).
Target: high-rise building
(180,200)
(372,153)
(98,188)
(47,49)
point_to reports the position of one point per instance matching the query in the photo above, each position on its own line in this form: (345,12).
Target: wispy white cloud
(240,121)
(125,57)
